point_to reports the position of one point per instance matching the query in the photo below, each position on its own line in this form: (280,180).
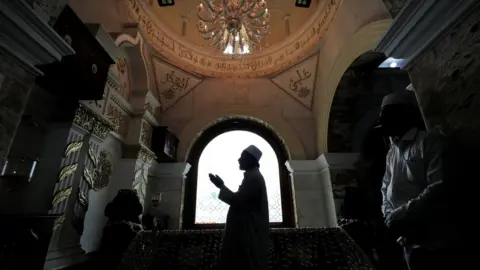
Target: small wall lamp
(17,172)
(156,199)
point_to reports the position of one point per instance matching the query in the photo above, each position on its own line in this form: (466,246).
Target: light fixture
(17,172)
(392,63)
(235,27)
(156,199)
(303,3)
(166,3)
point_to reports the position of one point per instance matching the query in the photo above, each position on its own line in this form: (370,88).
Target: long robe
(246,239)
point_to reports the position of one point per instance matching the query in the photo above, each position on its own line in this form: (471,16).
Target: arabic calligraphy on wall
(175,84)
(299,81)
(270,62)
(172,84)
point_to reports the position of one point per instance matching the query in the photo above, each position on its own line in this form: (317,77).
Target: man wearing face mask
(246,241)
(414,195)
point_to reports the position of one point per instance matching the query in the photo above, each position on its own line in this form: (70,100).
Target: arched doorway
(197,184)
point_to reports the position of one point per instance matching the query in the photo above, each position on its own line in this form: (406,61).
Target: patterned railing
(292,249)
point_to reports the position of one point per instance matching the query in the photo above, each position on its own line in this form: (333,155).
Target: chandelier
(235,27)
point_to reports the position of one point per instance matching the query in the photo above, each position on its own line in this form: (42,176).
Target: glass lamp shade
(16,173)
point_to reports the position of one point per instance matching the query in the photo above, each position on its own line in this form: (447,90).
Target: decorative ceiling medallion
(269,61)
(299,81)
(172,83)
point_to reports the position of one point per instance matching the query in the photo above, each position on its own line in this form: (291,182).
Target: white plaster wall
(259,98)
(95,219)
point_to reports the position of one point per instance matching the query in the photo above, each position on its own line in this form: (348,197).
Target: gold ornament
(60,196)
(66,171)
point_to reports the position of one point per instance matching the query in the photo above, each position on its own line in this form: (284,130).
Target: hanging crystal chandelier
(235,27)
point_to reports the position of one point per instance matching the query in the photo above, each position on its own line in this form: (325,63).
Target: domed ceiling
(173,33)
(284,19)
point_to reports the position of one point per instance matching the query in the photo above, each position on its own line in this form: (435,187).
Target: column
(79,174)
(168,179)
(131,170)
(342,172)
(94,217)
(313,194)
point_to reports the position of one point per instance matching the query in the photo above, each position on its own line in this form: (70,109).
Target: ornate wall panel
(116,115)
(89,172)
(68,167)
(64,190)
(141,179)
(299,81)
(146,134)
(172,83)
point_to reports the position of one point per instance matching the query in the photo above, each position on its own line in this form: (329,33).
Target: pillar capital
(342,161)
(307,166)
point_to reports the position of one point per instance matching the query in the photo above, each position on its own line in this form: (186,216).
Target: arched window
(217,151)
(220,157)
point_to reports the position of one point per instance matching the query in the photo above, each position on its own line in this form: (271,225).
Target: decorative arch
(221,126)
(351,102)
(241,117)
(365,39)
(280,127)
(137,62)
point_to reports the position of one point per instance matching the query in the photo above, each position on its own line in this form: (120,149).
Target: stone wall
(394,6)
(356,105)
(446,79)
(14,90)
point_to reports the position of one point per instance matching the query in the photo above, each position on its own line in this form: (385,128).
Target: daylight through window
(220,157)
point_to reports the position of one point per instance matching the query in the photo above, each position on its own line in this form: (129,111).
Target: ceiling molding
(419,24)
(189,57)
(157,57)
